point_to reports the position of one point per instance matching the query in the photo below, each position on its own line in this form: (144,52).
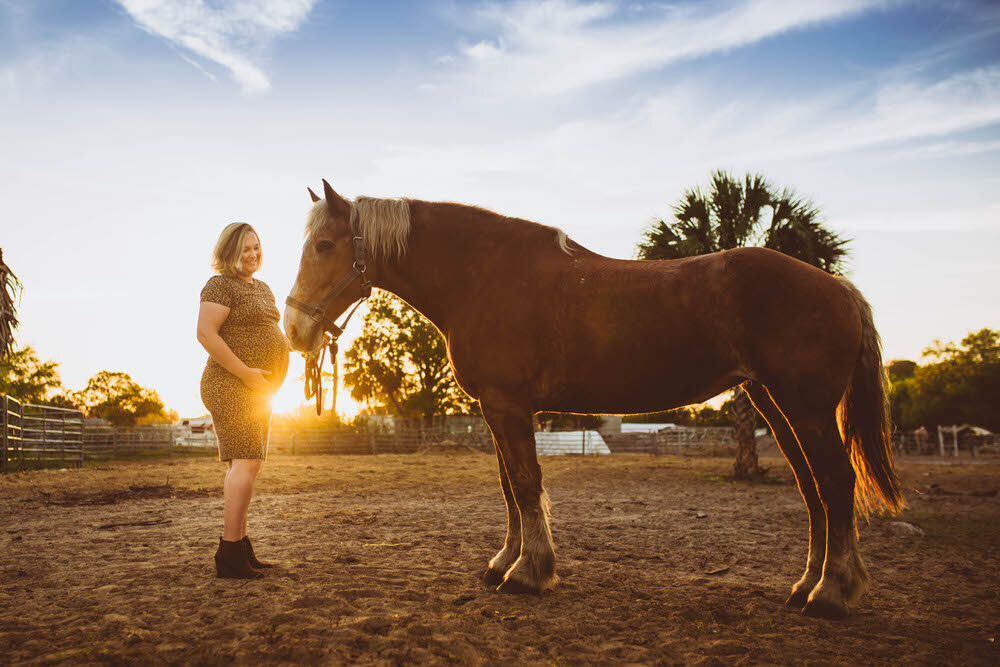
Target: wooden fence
(946,441)
(34,435)
(40,435)
(710,440)
(101,442)
(373,441)
(476,437)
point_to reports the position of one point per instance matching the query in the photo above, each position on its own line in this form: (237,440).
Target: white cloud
(629,160)
(481,50)
(895,112)
(231,33)
(556,46)
(948,149)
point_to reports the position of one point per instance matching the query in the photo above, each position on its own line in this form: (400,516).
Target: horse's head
(329,260)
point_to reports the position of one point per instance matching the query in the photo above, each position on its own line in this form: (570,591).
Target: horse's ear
(334,202)
(313,195)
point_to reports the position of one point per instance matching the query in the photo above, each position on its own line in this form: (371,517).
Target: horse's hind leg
(844,576)
(789,446)
(500,563)
(534,569)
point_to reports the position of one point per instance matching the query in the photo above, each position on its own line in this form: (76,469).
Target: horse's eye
(324,246)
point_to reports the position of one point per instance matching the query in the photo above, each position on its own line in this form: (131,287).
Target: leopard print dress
(241,417)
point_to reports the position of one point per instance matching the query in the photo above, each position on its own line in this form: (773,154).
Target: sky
(132,131)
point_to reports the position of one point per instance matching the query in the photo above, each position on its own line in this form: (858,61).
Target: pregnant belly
(262,347)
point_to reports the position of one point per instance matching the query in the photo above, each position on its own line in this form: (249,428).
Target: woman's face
(250,255)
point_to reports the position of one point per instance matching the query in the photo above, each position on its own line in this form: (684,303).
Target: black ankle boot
(254,563)
(233,562)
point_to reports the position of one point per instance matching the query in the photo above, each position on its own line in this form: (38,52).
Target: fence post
(940,440)
(3,437)
(45,435)
(954,431)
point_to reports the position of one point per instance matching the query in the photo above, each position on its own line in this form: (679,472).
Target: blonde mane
(562,240)
(384,223)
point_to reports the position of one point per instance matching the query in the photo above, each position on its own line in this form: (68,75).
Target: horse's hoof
(797,600)
(492,578)
(514,587)
(824,609)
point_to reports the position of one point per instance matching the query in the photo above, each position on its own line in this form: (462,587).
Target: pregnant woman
(248,359)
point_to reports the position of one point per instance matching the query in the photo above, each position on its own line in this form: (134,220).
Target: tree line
(111,395)
(957,384)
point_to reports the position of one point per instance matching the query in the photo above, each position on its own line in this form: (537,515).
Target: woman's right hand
(256,380)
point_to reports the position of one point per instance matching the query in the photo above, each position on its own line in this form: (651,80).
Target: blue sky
(134,130)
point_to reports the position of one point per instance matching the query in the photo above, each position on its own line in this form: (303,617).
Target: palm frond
(10,292)
(796,229)
(731,215)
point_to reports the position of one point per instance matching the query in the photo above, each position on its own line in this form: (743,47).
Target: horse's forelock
(318,216)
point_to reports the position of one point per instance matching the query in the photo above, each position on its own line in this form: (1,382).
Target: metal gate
(37,435)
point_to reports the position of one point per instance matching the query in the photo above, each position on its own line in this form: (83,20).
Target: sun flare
(291,396)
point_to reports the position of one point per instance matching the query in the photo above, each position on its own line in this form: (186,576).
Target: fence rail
(38,435)
(34,435)
(358,441)
(946,441)
(702,440)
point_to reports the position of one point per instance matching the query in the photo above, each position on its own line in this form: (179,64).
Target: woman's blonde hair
(227,257)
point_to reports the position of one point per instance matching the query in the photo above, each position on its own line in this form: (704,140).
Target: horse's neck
(451,252)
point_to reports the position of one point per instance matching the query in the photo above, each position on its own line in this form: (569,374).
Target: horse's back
(582,332)
(798,326)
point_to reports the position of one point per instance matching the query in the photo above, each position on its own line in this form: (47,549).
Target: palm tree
(739,213)
(10,287)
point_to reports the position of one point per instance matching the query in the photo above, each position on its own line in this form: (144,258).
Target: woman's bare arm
(210,318)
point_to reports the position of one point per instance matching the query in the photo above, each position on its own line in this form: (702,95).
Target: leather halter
(317,311)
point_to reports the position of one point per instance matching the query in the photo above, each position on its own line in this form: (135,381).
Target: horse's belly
(654,389)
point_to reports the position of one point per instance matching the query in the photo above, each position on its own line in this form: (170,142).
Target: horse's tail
(864,420)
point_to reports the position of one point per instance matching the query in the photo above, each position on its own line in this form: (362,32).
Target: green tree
(960,384)
(734,213)
(901,369)
(123,402)
(400,363)
(27,378)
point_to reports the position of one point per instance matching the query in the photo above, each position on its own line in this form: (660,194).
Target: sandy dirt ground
(662,560)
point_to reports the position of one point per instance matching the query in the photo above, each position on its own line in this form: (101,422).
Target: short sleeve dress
(242,417)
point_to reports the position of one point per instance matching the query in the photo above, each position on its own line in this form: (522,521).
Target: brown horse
(535,322)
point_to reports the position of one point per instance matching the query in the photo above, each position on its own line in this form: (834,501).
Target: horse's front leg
(500,563)
(534,570)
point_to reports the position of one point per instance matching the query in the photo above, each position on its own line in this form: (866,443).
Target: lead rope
(314,367)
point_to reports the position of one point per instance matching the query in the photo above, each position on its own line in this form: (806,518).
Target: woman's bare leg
(237,491)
